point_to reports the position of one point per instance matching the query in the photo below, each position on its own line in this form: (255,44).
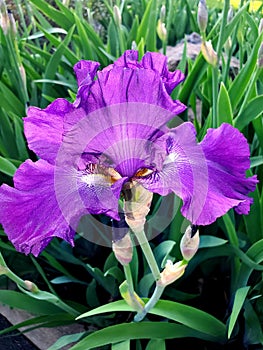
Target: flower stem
(150,304)
(147,251)
(215,122)
(128,277)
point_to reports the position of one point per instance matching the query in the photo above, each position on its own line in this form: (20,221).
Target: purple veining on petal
(157,62)
(122,136)
(85,72)
(209,177)
(44,128)
(184,170)
(29,212)
(128,80)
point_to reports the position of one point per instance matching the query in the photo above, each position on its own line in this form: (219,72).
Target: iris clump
(113,138)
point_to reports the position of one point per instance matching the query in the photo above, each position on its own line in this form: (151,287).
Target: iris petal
(209,177)
(44,128)
(29,212)
(41,207)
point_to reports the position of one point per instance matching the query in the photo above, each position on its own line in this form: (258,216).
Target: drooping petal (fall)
(43,205)
(209,177)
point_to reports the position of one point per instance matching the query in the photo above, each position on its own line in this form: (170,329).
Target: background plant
(224,279)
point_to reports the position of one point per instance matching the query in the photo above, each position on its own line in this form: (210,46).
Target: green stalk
(215,122)
(147,251)
(150,304)
(128,277)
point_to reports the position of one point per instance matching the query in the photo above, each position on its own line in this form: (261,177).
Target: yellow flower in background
(254,4)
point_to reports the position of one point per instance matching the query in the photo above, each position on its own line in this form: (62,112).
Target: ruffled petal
(209,177)
(227,154)
(128,60)
(158,62)
(48,202)
(44,128)
(85,72)
(128,80)
(30,213)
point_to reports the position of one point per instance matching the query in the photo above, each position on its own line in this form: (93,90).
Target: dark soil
(13,340)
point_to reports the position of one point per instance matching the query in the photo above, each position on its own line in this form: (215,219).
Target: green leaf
(255,253)
(211,241)
(40,321)
(142,330)
(66,279)
(231,231)
(66,340)
(252,110)
(91,294)
(162,251)
(253,221)
(9,101)
(25,302)
(253,325)
(54,62)
(57,16)
(7,167)
(224,109)
(69,54)
(155,344)
(240,297)
(115,272)
(144,25)
(145,284)
(240,84)
(20,140)
(258,127)
(84,40)
(193,79)
(38,35)
(124,345)
(152,24)
(256,161)
(187,315)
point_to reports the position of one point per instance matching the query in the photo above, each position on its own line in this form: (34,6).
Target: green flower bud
(202,16)
(117,15)
(123,249)
(189,244)
(230,14)
(31,286)
(260,56)
(208,52)
(4,18)
(161,30)
(163,13)
(136,206)
(171,273)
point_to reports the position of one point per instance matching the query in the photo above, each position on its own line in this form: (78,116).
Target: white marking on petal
(171,158)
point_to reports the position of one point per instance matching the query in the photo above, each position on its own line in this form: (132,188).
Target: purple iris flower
(112,136)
